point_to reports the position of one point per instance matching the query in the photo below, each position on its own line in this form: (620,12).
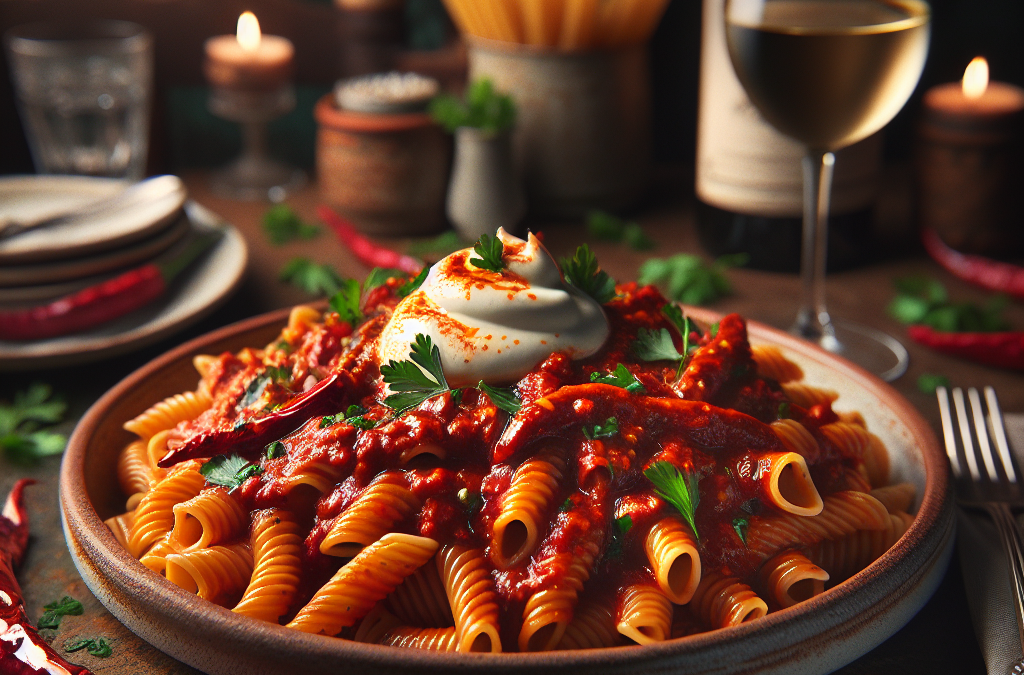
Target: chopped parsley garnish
(21,439)
(502,397)
(620,526)
(471,500)
(330,420)
(489,251)
(606,430)
(416,380)
(583,272)
(713,329)
(346,302)
(311,277)
(275,450)
(928,382)
(355,410)
(923,300)
(360,422)
(741,525)
(379,276)
(99,647)
(55,611)
(620,377)
(282,225)
(229,472)
(413,284)
(677,489)
(688,278)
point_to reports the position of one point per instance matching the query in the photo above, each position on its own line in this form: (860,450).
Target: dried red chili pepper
(103,302)
(1003,350)
(369,253)
(22,651)
(985,272)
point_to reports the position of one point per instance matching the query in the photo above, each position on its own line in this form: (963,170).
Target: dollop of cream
(496,326)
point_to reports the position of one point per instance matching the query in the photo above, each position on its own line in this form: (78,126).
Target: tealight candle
(248,60)
(969,163)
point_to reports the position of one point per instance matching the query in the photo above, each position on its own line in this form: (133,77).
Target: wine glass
(829,73)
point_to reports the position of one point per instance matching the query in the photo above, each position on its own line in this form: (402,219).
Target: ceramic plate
(191,298)
(40,196)
(813,637)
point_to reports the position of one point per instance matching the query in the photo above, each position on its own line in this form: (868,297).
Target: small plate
(39,196)
(188,300)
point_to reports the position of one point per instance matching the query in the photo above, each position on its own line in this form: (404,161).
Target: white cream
(496,326)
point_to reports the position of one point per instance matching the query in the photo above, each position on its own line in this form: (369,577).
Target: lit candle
(969,163)
(248,60)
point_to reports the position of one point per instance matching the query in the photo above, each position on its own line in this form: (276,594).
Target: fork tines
(986,420)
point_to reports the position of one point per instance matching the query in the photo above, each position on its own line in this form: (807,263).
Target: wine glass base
(254,179)
(874,351)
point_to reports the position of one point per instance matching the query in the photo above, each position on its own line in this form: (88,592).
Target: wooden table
(940,639)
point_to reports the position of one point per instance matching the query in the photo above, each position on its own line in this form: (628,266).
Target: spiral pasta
(154,515)
(790,577)
(771,363)
(218,573)
(592,626)
(276,546)
(549,611)
(516,529)
(474,602)
(211,517)
(385,502)
(722,601)
(673,555)
(807,396)
(421,600)
(645,614)
(168,412)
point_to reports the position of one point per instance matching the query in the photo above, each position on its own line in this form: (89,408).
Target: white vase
(485,192)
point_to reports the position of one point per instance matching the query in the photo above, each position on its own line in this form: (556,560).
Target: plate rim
(926,546)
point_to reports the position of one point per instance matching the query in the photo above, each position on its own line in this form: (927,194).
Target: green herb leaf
(275,450)
(360,422)
(567,505)
(678,490)
(229,472)
(354,410)
(784,410)
(607,227)
(490,251)
(416,380)
(471,500)
(637,238)
(606,430)
(413,284)
(76,645)
(922,300)
(688,278)
(379,276)
(329,421)
(741,525)
(620,377)
(254,392)
(282,225)
(583,272)
(311,277)
(346,302)
(100,648)
(484,109)
(929,382)
(502,397)
(713,329)
(620,526)
(21,440)
(655,345)
(439,246)
(55,611)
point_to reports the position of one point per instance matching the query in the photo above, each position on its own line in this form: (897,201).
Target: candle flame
(976,78)
(248,32)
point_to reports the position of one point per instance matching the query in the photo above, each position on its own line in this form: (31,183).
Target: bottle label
(743,164)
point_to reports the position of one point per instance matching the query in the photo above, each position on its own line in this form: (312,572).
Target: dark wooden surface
(939,639)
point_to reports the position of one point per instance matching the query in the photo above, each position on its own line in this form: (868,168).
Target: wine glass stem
(812,321)
(254,141)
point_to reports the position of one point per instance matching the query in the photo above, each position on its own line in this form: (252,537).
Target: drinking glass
(84,94)
(829,73)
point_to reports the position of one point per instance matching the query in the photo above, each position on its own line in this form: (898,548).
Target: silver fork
(995,490)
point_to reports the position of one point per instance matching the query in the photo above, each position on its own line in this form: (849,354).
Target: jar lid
(386,93)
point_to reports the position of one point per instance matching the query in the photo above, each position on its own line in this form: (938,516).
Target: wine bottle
(749,180)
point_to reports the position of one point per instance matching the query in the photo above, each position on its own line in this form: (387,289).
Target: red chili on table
(369,253)
(1002,350)
(987,273)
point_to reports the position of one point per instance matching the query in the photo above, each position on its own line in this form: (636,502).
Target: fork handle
(1009,533)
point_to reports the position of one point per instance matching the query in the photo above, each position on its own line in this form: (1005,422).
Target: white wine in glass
(829,73)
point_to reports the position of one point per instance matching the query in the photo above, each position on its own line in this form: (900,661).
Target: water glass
(84,95)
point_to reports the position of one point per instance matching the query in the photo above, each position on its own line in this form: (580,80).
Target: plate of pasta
(504,463)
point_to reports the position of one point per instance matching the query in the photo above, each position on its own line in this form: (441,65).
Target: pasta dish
(505,454)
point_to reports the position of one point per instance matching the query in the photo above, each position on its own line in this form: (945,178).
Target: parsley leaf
(360,422)
(784,410)
(254,392)
(655,345)
(741,525)
(311,277)
(346,302)
(329,421)
(275,450)
(416,380)
(440,246)
(583,272)
(355,410)
(229,472)
(55,611)
(620,526)
(688,278)
(606,430)
(678,490)
(620,377)
(282,225)
(484,108)
(490,251)
(929,382)
(501,397)
(413,284)
(21,440)
(923,300)
(605,226)
(379,276)
(100,648)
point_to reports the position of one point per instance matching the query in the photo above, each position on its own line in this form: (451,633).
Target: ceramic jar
(485,191)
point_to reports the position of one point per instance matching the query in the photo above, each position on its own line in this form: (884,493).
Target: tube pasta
(645,614)
(790,577)
(790,486)
(895,498)
(592,626)
(217,574)
(772,364)
(121,527)
(549,611)
(385,502)
(420,600)
(383,628)
(673,555)
(276,547)
(156,557)
(154,516)
(722,601)
(366,580)
(796,438)
(211,517)
(474,602)
(517,527)
(844,556)
(133,469)
(806,396)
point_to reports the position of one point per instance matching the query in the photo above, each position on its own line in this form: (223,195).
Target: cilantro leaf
(355,410)
(655,345)
(929,382)
(100,648)
(637,238)
(360,422)
(607,227)
(75,645)
(606,430)
(784,410)
(282,225)
(440,246)
(741,525)
(484,108)
(254,392)
(923,300)
(55,611)
(346,302)
(414,283)
(489,251)
(329,421)
(620,526)
(311,277)
(688,278)
(229,472)
(620,377)
(501,397)
(20,438)
(678,490)
(379,276)
(583,272)
(416,380)
(275,450)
